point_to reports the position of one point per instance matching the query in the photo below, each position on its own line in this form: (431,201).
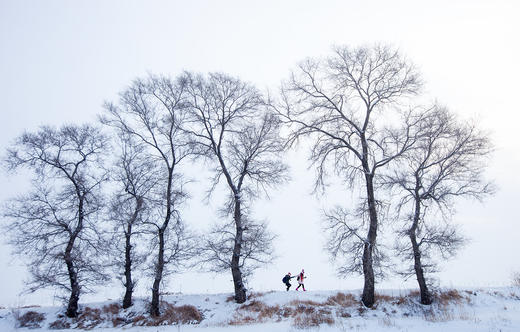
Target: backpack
(285,279)
(299,277)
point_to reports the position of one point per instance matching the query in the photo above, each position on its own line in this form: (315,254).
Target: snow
(483,309)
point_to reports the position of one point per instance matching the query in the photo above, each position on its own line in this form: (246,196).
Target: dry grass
(343,313)
(450,296)
(385,298)
(262,310)
(255,306)
(286,312)
(342,299)
(305,313)
(230,298)
(401,300)
(89,318)
(396,300)
(436,315)
(306,303)
(31,319)
(112,309)
(242,320)
(59,324)
(305,307)
(139,320)
(442,314)
(314,319)
(117,321)
(173,315)
(269,312)
(256,295)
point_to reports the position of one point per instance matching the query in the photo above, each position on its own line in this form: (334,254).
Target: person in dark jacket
(286,280)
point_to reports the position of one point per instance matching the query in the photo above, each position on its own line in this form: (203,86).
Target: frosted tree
(234,131)
(446,164)
(345,104)
(152,112)
(134,176)
(55,226)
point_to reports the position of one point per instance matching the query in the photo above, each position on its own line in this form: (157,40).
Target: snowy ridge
(489,309)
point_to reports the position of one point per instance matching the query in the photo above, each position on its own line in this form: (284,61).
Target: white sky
(59,60)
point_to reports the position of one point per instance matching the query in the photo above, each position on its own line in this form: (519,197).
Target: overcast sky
(59,60)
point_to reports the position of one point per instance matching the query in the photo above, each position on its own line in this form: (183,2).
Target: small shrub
(59,324)
(31,319)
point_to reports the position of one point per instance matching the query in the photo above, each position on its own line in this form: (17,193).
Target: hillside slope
(496,309)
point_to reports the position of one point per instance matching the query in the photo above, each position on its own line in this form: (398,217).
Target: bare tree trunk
(72,307)
(426,297)
(154,310)
(159,268)
(240,291)
(129,286)
(368,296)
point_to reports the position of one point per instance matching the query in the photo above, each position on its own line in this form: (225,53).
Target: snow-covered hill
(454,310)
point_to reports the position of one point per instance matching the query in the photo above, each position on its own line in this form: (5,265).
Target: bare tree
(345,104)
(234,130)
(446,163)
(152,112)
(55,225)
(135,176)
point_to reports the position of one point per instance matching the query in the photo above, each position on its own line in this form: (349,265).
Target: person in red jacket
(300,278)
